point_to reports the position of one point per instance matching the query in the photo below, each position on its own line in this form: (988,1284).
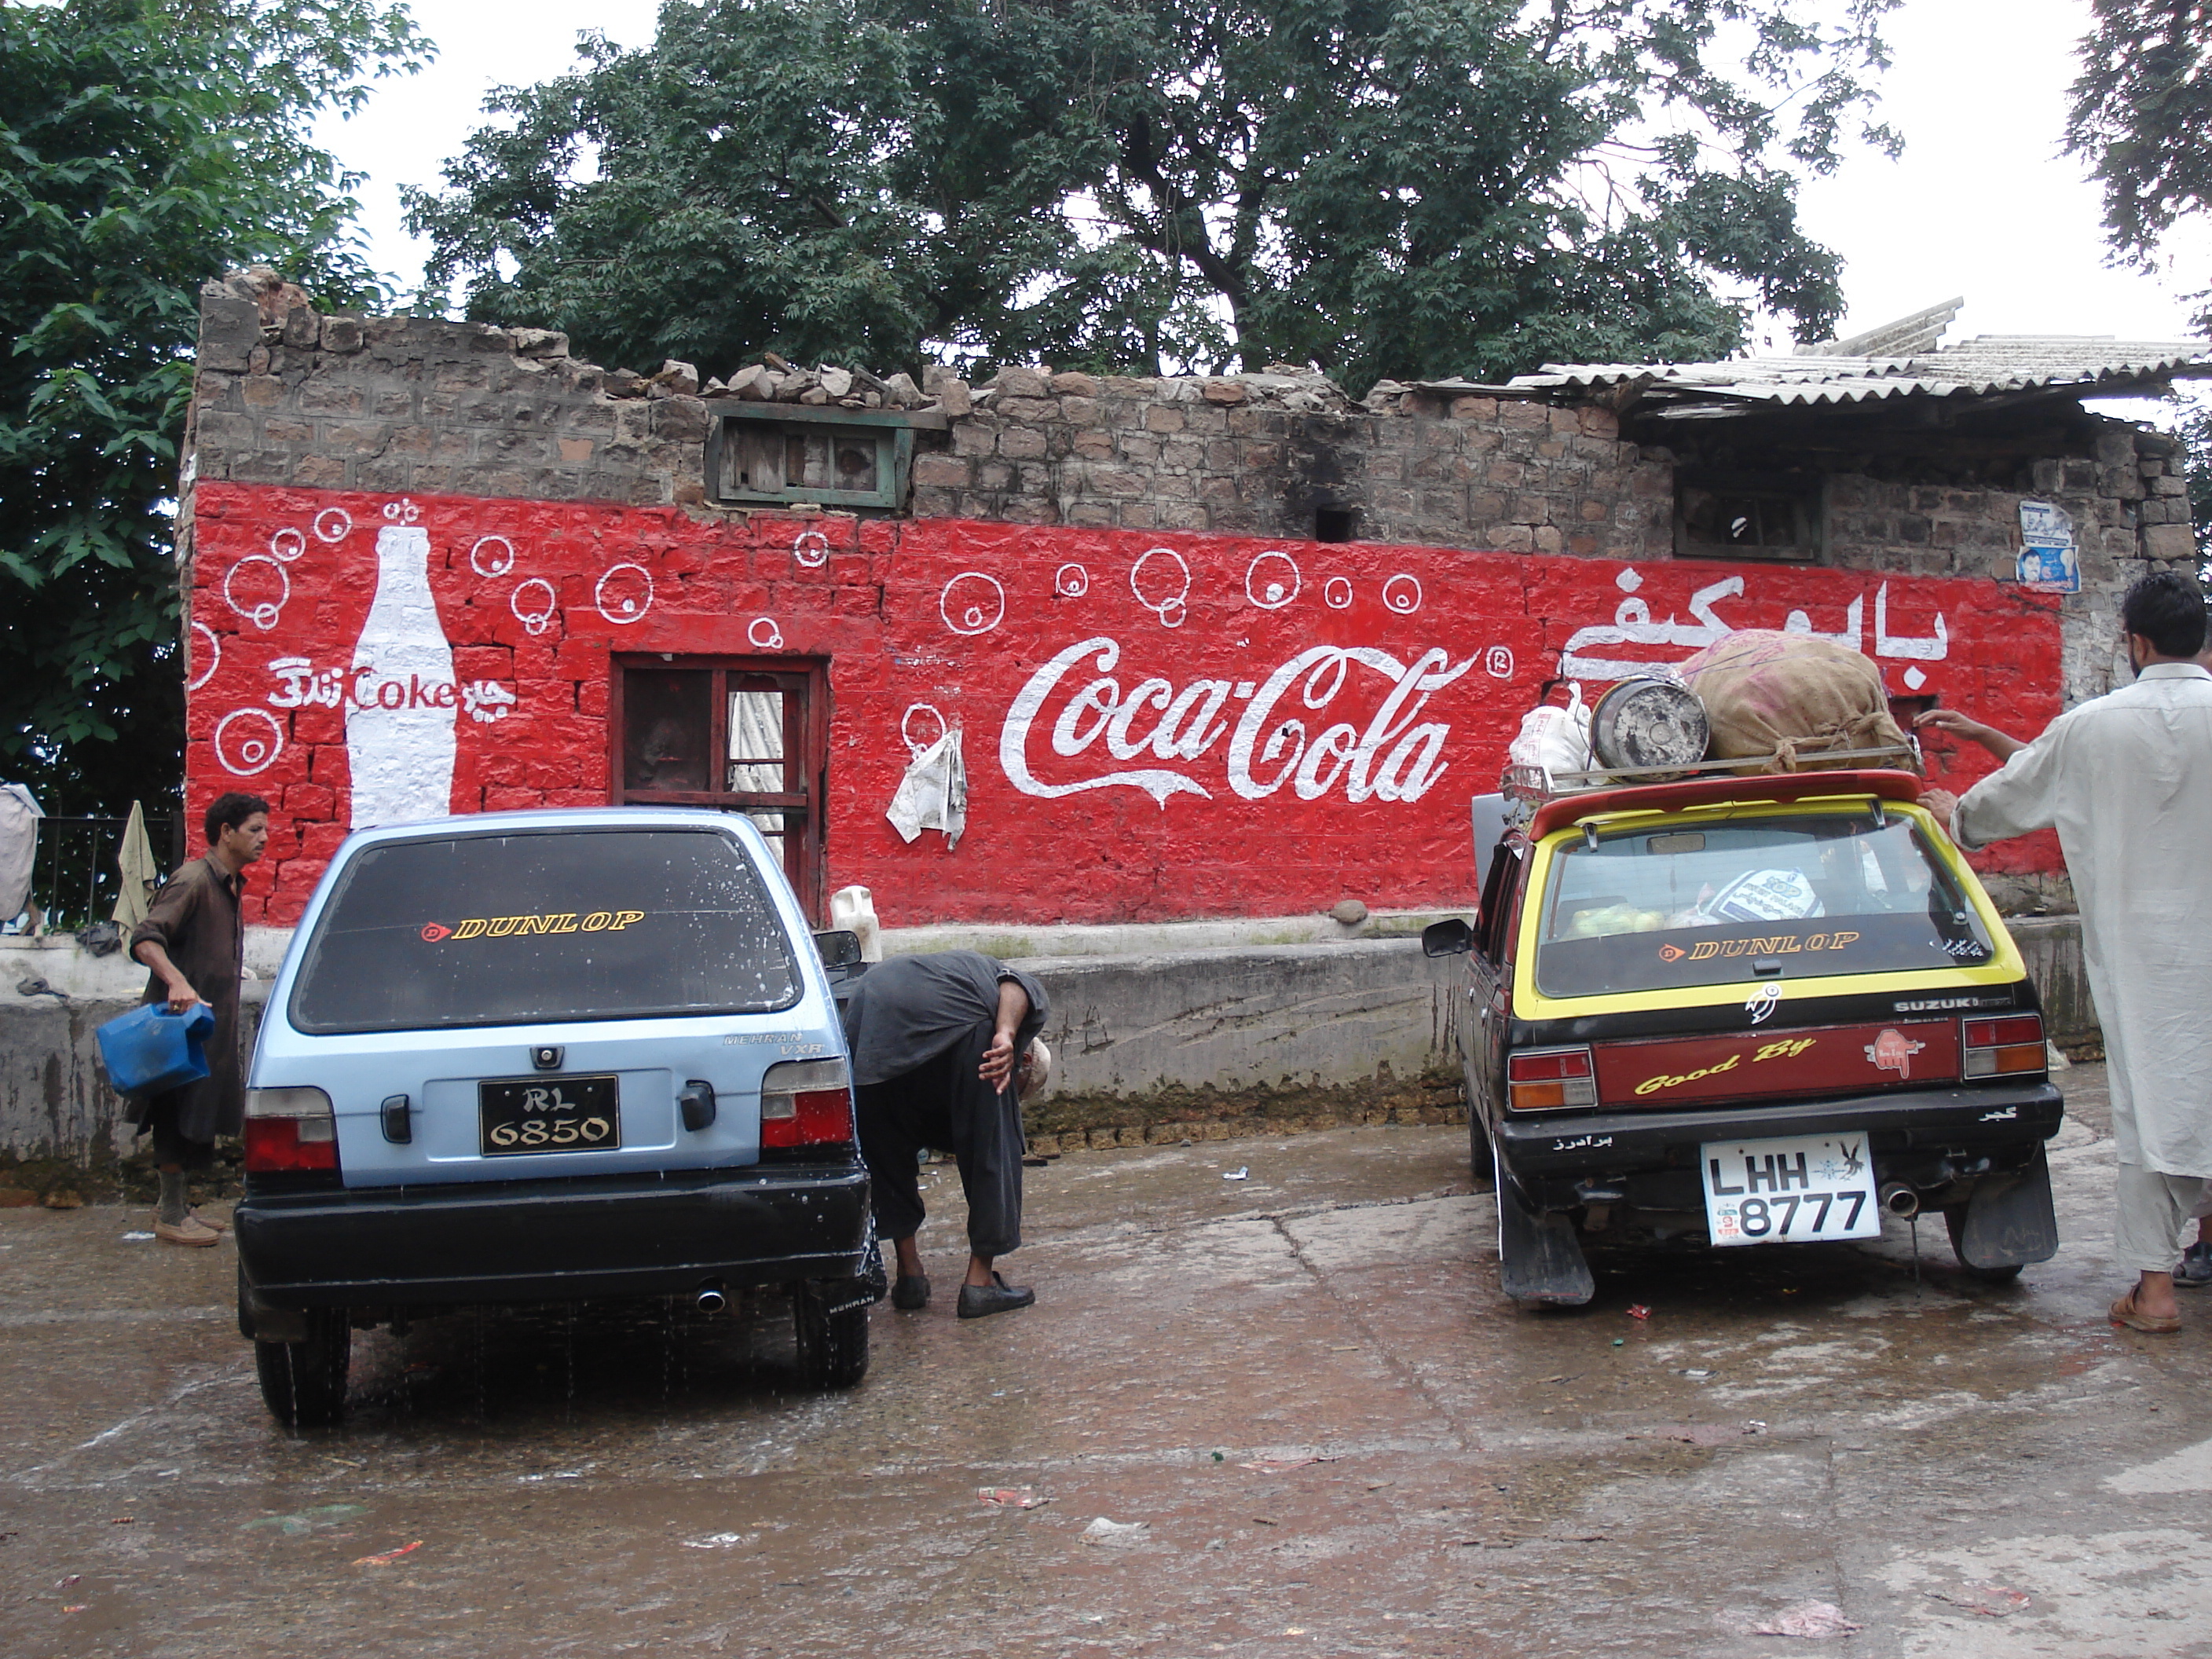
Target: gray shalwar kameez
(194,917)
(2126,780)
(919,1027)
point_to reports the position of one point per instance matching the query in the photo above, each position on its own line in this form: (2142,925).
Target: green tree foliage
(2141,116)
(145,145)
(1381,187)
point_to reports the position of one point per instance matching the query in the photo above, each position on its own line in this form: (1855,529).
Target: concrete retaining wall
(1187,1044)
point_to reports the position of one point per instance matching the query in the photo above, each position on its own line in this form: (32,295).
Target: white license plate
(1791,1191)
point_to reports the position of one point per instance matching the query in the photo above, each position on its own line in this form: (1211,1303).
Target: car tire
(1954,1223)
(1479,1155)
(830,1320)
(304,1383)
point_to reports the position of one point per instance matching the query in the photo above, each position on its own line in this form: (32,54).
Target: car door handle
(695,1100)
(397,1120)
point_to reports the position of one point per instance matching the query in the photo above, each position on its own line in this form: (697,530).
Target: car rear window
(543,925)
(1657,907)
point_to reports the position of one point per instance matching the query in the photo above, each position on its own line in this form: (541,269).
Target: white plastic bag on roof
(1557,739)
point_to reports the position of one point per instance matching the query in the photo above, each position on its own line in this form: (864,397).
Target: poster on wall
(1157,726)
(2049,563)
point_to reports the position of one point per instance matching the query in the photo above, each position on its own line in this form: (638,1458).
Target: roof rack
(1537,785)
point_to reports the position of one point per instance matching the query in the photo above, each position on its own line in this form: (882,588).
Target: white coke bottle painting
(402,703)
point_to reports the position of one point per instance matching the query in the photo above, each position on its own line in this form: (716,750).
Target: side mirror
(838,947)
(1447,939)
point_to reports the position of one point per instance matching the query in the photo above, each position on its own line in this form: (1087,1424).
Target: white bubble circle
(1170,589)
(537,617)
(1498,663)
(1071,581)
(264,614)
(1272,581)
(765,635)
(287,544)
(628,604)
(332,524)
(492,555)
(1402,593)
(972,603)
(1336,593)
(254,753)
(906,723)
(811,548)
(215,657)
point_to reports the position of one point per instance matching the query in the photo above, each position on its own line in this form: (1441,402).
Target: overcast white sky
(1982,204)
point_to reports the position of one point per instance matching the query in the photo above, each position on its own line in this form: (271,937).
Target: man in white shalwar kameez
(2126,780)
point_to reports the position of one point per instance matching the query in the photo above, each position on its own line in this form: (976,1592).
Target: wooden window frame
(1805,497)
(805,743)
(892,433)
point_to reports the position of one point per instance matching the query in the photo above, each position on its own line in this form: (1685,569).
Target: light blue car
(545,1056)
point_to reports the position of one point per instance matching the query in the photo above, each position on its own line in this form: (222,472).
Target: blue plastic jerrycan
(149,1049)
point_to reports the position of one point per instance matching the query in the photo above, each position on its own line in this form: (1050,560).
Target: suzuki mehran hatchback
(1748,1010)
(546,1056)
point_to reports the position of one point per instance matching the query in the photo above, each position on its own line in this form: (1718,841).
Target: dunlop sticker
(1781,945)
(597,921)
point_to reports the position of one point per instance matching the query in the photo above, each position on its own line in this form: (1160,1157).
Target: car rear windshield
(1787,896)
(543,925)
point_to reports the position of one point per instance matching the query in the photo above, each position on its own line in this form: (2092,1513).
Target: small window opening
(1336,524)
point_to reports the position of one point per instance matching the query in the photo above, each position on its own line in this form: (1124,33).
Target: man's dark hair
(231,811)
(2167,608)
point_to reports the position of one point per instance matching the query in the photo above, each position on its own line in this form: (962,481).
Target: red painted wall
(1329,708)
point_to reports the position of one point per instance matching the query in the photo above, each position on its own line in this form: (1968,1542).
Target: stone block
(941,472)
(1524,416)
(1090,515)
(1224,391)
(1012,382)
(994,475)
(1078,411)
(974,438)
(218,428)
(260,392)
(680,419)
(1473,409)
(574,451)
(320,396)
(1092,446)
(1163,417)
(2169,542)
(955,399)
(1023,443)
(1073,384)
(230,328)
(320,472)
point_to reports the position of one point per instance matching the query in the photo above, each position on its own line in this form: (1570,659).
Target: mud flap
(2009,1219)
(1538,1257)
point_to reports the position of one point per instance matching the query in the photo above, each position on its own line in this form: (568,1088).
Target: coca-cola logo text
(1384,751)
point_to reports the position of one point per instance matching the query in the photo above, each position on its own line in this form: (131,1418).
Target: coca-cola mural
(1154,726)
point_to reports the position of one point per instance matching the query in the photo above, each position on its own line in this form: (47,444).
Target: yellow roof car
(1764,1011)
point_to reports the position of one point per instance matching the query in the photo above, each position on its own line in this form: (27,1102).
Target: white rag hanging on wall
(933,793)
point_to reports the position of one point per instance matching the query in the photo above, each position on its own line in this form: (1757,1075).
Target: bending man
(2126,780)
(934,1042)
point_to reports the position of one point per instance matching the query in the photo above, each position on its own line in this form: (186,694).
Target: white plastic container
(854,908)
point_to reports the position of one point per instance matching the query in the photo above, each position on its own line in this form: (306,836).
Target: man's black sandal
(980,1301)
(908,1294)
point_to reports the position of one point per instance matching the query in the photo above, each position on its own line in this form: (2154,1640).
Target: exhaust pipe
(712,1299)
(1899,1200)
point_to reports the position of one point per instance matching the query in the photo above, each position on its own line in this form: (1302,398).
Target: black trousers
(164,1117)
(943,1103)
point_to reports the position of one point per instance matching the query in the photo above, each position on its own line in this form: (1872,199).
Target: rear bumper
(1911,1132)
(555,1241)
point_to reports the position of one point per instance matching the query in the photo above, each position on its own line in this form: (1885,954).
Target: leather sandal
(2124,1312)
(910,1292)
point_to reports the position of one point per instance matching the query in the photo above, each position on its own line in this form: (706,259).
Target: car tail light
(1550,1079)
(2007,1047)
(806,1102)
(290,1129)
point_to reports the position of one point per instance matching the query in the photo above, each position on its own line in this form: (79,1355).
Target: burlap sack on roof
(1792,697)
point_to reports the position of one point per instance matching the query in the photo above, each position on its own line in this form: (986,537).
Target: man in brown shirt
(193,941)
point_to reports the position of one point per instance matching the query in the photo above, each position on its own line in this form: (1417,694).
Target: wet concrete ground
(1786,1427)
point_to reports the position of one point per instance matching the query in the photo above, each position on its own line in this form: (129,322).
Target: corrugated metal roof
(1987,366)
